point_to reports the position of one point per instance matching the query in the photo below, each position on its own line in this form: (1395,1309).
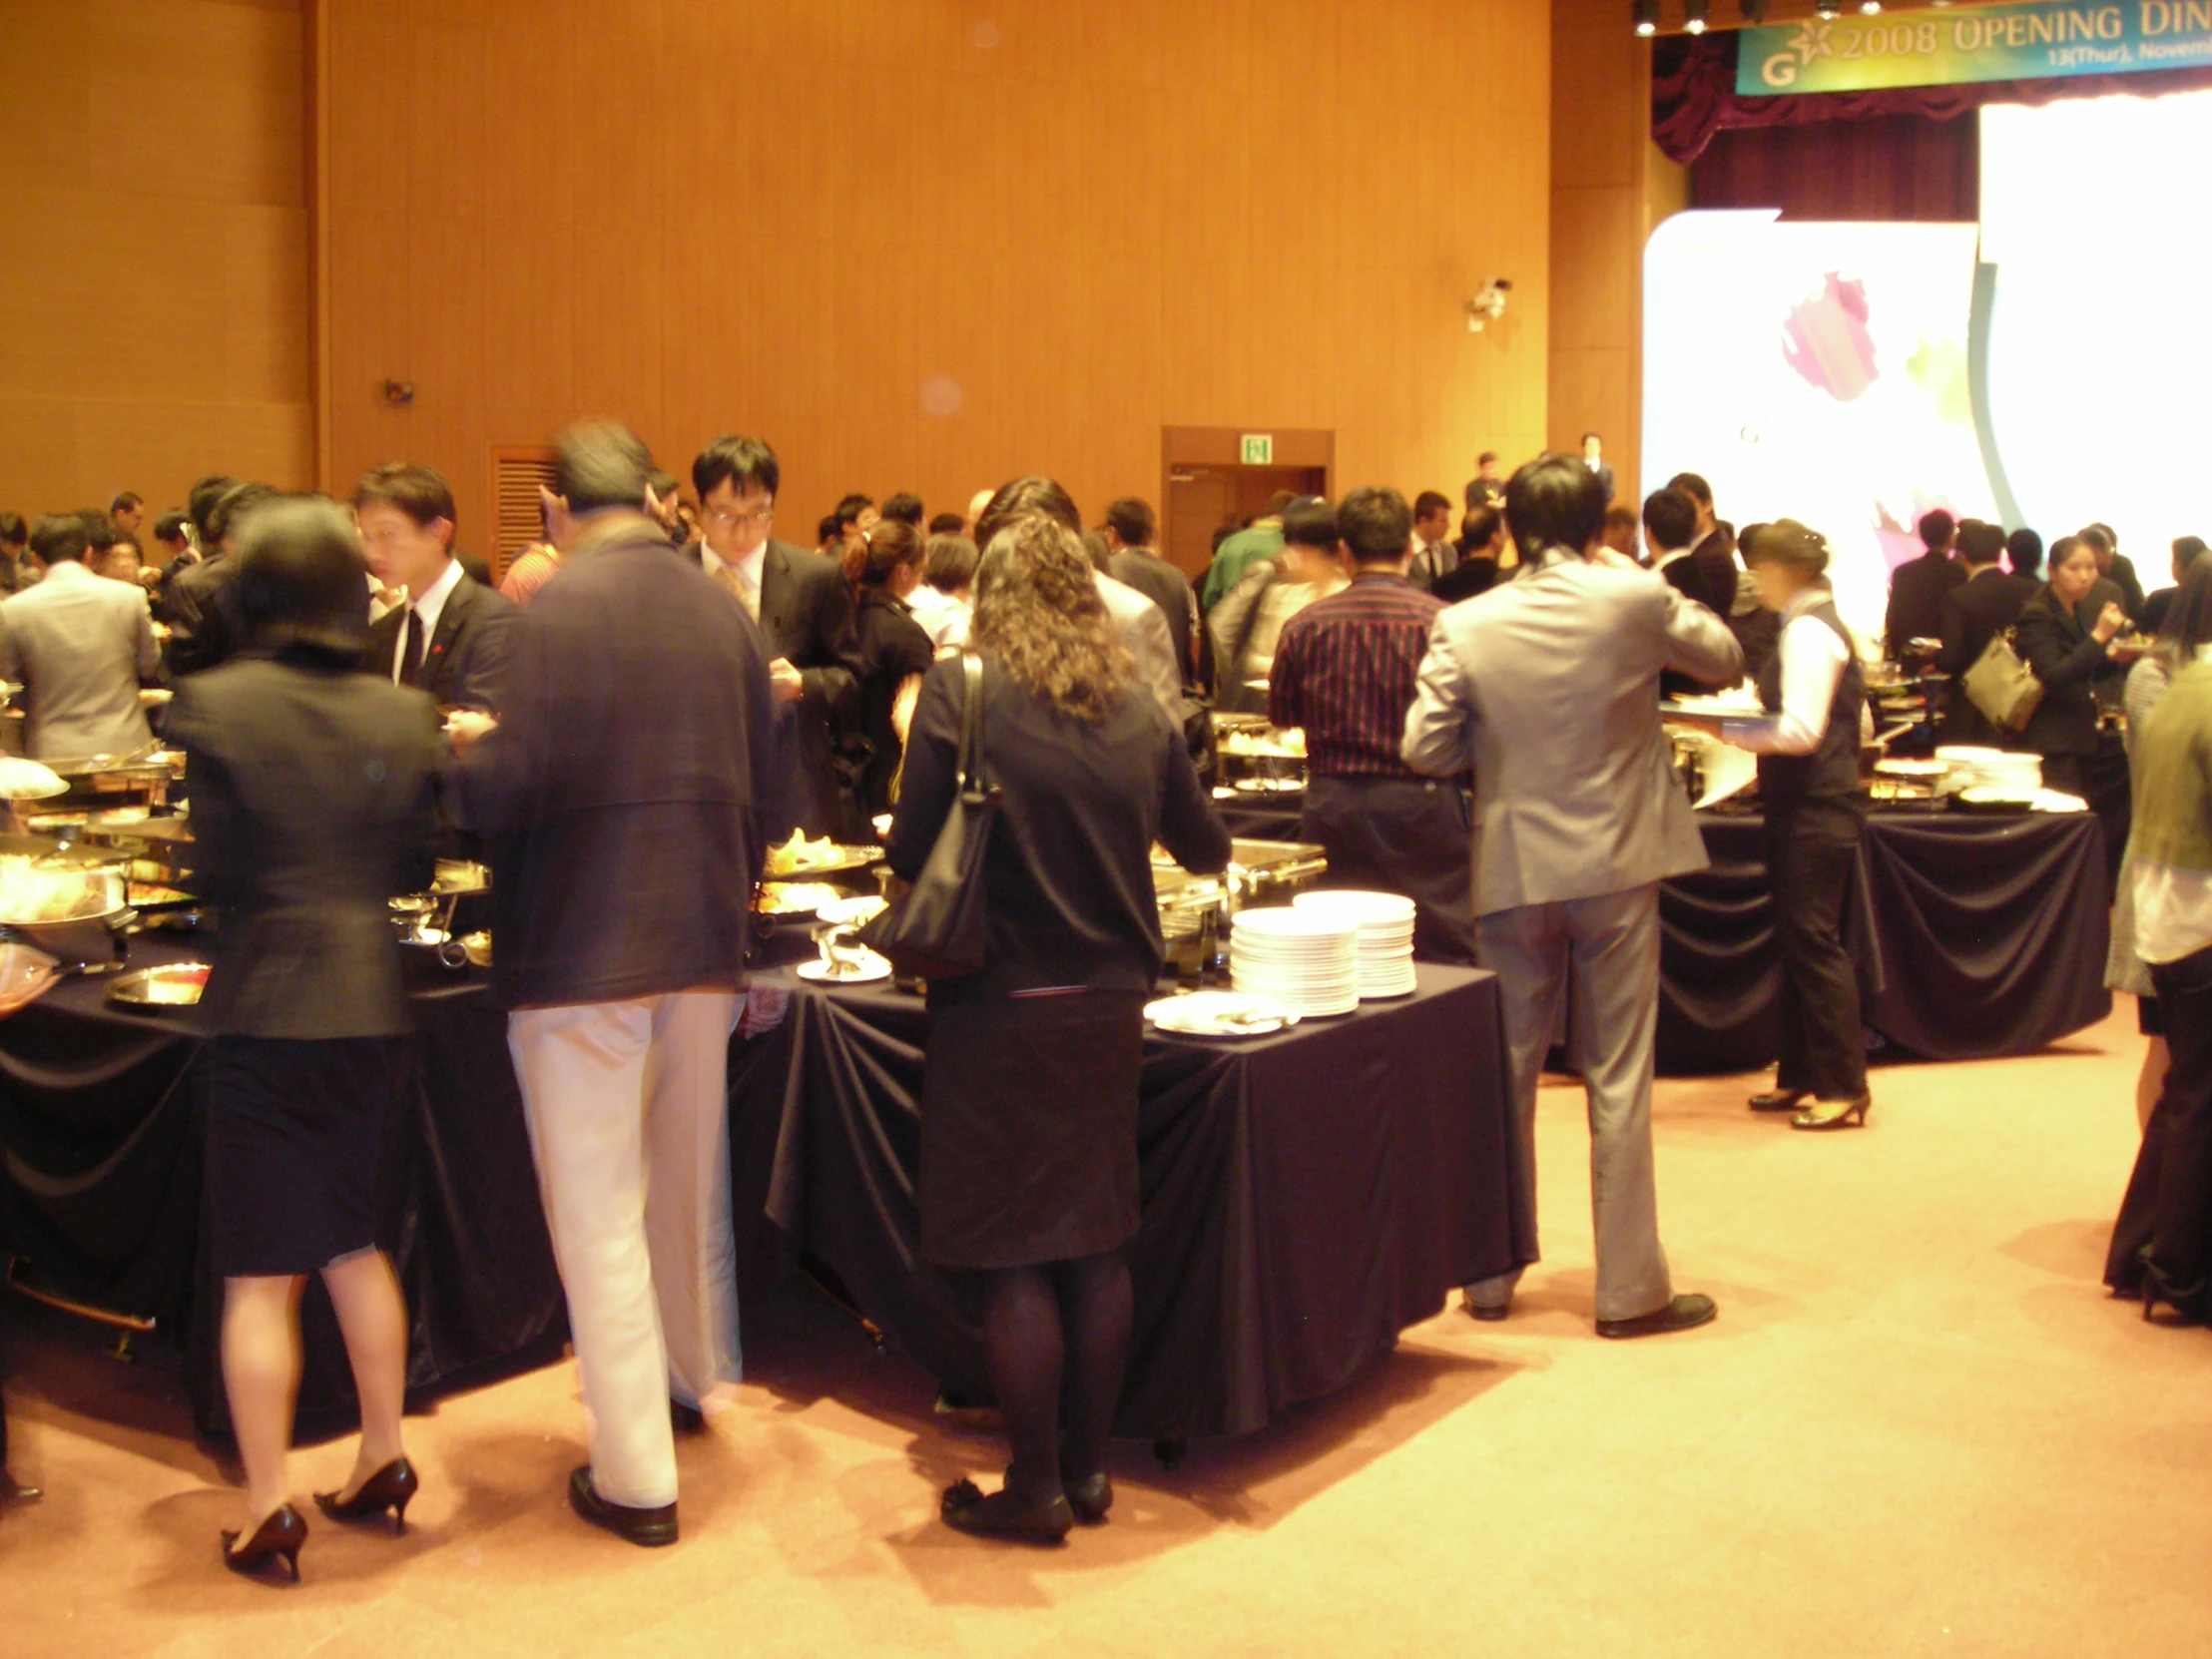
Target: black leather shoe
(1090,1498)
(686,1419)
(1002,1515)
(650,1528)
(1684,1312)
(1777,1100)
(1488,1313)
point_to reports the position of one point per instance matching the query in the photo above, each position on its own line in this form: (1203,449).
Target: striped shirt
(1344,671)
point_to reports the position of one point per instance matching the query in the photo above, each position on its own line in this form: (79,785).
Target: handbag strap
(971,724)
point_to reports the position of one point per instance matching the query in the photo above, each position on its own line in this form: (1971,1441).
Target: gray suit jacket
(1139,625)
(1547,685)
(80,643)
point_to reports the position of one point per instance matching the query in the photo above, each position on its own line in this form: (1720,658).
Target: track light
(1696,14)
(1754,11)
(1646,14)
(1869,8)
(1828,8)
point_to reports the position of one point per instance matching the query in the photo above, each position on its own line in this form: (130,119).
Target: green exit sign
(1258,449)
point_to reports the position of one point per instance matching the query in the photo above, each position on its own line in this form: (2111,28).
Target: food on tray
(30,895)
(796,899)
(798,854)
(1286,745)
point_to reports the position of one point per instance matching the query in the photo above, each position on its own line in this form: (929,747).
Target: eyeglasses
(723,519)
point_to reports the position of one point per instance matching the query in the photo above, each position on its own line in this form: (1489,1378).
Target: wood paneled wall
(932,244)
(1610,187)
(153,301)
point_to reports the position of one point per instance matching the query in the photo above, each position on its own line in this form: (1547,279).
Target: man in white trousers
(624,793)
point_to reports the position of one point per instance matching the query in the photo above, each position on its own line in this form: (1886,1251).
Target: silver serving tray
(159,991)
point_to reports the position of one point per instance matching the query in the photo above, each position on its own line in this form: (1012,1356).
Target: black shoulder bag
(940,928)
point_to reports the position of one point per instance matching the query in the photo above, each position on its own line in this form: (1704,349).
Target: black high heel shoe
(1777,1100)
(391,1487)
(281,1535)
(1835,1114)
(2187,1305)
(1001,1515)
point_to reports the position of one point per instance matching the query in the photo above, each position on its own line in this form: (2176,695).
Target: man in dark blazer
(206,624)
(1132,560)
(1917,587)
(1670,538)
(624,791)
(2116,567)
(449,636)
(1981,607)
(2187,551)
(803,609)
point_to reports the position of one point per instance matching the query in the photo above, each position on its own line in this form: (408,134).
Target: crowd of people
(661,689)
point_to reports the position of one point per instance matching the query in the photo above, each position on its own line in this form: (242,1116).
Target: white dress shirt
(941,615)
(1813,657)
(429,607)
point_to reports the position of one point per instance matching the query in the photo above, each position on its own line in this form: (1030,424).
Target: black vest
(1832,767)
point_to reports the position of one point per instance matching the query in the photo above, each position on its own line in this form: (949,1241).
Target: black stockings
(1057,1337)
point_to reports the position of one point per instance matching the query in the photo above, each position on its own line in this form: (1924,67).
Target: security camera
(1489,305)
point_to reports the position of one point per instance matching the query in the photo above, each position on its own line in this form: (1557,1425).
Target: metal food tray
(162,989)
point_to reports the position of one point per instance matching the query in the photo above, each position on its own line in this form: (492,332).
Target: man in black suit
(2187,551)
(2116,567)
(1593,457)
(1670,538)
(625,792)
(803,608)
(206,623)
(1917,587)
(1133,560)
(1486,488)
(449,636)
(1981,607)
(1713,545)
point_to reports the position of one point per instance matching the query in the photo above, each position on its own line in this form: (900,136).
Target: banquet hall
(1243,830)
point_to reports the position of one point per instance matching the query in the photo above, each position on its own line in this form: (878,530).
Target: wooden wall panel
(153,307)
(929,245)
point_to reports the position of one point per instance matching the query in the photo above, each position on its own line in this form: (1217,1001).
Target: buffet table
(1306,1195)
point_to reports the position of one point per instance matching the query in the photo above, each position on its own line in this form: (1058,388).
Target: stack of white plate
(1306,960)
(1386,938)
(2008,772)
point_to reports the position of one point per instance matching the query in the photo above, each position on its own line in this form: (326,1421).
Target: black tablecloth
(1974,937)
(101,1127)
(1306,1195)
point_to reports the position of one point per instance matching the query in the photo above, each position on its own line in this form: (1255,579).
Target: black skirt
(1029,1129)
(295,1129)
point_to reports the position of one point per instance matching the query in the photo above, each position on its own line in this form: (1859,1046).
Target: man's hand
(2110,622)
(464,726)
(785,680)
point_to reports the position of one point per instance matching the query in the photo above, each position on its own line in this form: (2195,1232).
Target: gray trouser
(1610,944)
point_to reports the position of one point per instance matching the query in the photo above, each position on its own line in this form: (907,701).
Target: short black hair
(2023,549)
(949,562)
(1377,525)
(599,465)
(904,508)
(1310,522)
(1979,543)
(412,488)
(829,529)
(170,526)
(2064,548)
(237,501)
(852,506)
(740,462)
(1670,516)
(2188,625)
(1694,486)
(2110,535)
(1429,503)
(126,501)
(1279,502)
(99,530)
(1132,520)
(1486,457)
(1936,530)
(2097,536)
(200,503)
(1554,501)
(2187,551)
(58,538)
(302,582)
(13,533)
(948,524)
(1588,437)
(1480,527)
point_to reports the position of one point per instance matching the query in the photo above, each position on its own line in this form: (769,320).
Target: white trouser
(630,1126)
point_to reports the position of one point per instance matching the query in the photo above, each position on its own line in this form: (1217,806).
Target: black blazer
(1168,589)
(1975,613)
(312,807)
(206,622)
(1698,577)
(622,792)
(806,618)
(892,645)
(2122,576)
(2068,660)
(1916,589)
(465,657)
(1070,872)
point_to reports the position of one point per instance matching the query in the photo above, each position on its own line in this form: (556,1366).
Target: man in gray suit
(80,644)
(1547,687)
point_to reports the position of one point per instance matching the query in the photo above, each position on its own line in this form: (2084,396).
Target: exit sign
(1258,449)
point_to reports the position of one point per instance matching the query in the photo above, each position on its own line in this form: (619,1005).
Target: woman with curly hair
(1029,1097)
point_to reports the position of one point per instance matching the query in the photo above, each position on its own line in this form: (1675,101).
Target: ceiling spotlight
(1696,14)
(1828,8)
(1754,11)
(1646,14)
(1869,8)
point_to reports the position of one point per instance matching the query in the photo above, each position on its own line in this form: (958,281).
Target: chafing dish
(1193,908)
(159,989)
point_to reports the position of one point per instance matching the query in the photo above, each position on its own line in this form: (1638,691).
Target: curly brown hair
(1038,611)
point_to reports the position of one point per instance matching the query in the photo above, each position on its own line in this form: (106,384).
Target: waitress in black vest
(1809,784)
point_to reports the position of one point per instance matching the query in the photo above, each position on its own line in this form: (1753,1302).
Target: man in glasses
(800,603)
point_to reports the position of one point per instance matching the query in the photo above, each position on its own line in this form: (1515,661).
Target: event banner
(1999,43)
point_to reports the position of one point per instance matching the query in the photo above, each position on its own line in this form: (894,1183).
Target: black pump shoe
(1090,1498)
(1002,1515)
(1833,1114)
(391,1487)
(281,1534)
(1777,1100)
(648,1528)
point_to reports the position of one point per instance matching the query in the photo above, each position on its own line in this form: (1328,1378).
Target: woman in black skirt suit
(1029,1100)
(893,647)
(312,805)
